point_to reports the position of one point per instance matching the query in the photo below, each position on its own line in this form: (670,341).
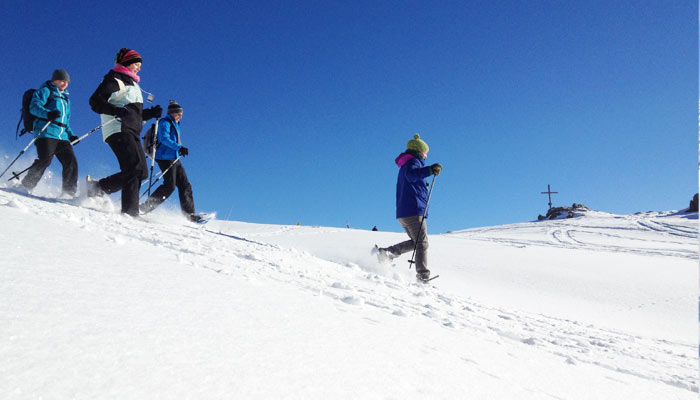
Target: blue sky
(295,111)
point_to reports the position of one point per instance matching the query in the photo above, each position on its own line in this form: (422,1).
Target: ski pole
(427,202)
(25,149)
(73,143)
(16,175)
(153,157)
(162,174)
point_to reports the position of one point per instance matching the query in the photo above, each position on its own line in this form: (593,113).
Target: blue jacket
(49,98)
(411,191)
(168,139)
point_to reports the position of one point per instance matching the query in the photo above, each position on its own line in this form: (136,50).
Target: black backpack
(25,115)
(150,142)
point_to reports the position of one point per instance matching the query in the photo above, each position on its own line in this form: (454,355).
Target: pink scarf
(126,71)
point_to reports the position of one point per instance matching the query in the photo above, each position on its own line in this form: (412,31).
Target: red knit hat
(127,57)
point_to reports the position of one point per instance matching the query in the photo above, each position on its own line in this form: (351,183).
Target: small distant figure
(375,229)
(693,207)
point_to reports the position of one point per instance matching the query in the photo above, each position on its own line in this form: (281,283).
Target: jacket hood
(403,159)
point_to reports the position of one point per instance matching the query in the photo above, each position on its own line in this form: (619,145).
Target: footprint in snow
(340,285)
(353,300)
(14,203)
(399,313)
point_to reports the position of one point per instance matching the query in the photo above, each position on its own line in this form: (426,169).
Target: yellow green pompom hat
(417,144)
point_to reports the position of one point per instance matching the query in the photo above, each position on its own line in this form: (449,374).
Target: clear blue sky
(295,110)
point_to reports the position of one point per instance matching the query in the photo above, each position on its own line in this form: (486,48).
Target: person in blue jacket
(50,103)
(169,148)
(411,202)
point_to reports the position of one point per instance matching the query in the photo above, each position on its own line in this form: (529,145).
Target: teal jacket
(48,98)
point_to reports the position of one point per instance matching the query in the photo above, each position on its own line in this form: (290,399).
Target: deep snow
(97,305)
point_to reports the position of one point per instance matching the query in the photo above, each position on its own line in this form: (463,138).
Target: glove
(156,111)
(436,169)
(184,151)
(122,113)
(53,115)
(72,139)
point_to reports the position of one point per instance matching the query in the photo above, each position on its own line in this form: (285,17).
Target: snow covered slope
(97,305)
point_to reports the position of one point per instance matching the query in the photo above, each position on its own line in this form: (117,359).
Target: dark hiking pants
(46,148)
(176,177)
(132,163)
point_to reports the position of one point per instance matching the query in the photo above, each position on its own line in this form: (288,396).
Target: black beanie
(174,108)
(60,75)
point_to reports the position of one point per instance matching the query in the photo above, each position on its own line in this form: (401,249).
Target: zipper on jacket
(63,112)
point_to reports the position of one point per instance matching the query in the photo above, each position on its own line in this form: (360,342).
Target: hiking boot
(383,255)
(195,218)
(93,187)
(423,275)
(146,207)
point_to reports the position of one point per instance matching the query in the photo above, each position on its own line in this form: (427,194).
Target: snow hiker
(119,95)
(169,148)
(50,103)
(411,205)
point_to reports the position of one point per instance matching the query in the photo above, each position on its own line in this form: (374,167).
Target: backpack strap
(62,125)
(21,116)
(57,96)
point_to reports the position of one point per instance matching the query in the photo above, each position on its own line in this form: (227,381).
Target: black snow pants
(175,177)
(132,163)
(46,148)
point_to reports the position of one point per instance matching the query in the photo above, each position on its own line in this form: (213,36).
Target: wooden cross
(550,193)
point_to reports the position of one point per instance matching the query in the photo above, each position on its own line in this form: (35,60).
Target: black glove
(184,151)
(156,111)
(72,139)
(436,169)
(53,115)
(122,112)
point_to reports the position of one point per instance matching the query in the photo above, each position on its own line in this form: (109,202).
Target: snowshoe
(201,218)
(383,255)
(93,187)
(424,276)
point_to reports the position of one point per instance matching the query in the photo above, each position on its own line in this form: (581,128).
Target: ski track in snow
(350,285)
(644,234)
